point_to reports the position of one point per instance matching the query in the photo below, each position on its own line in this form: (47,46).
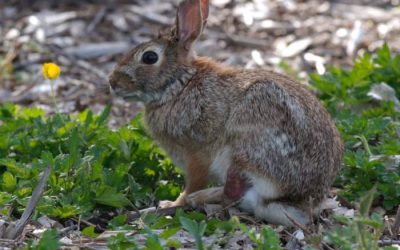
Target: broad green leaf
(49,240)
(174,244)
(23,192)
(89,232)
(152,241)
(195,229)
(188,224)
(65,211)
(167,233)
(121,242)
(15,168)
(6,198)
(9,182)
(112,198)
(32,112)
(270,239)
(118,221)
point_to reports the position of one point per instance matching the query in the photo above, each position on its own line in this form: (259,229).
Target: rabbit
(264,139)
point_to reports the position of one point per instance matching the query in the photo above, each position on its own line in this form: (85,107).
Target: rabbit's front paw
(167,204)
(180,201)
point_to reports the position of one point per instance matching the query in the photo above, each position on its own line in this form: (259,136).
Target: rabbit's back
(285,134)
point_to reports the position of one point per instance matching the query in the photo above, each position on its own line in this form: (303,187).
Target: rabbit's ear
(204,11)
(191,16)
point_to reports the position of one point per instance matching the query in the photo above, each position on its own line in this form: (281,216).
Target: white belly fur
(219,166)
(261,185)
(262,189)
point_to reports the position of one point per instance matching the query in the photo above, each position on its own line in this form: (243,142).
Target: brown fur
(274,127)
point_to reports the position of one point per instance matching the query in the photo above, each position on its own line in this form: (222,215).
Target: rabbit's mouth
(135,96)
(131,96)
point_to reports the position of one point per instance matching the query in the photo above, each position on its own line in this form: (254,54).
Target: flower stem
(54,99)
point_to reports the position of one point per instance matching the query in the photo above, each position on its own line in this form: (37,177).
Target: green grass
(96,170)
(368,128)
(93,167)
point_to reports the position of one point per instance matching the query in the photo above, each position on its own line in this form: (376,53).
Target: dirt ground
(86,38)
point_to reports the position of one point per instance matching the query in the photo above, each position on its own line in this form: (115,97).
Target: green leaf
(111,197)
(195,229)
(167,233)
(74,147)
(152,241)
(9,182)
(23,192)
(66,211)
(383,55)
(104,115)
(117,221)
(121,242)
(174,244)
(89,232)
(270,239)
(32,113)
(15,168)
(6,198)
(202,228)
(188,224)
(49,241)
(366,202)
(374,224)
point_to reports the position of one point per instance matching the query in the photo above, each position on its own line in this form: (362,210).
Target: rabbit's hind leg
(235,186)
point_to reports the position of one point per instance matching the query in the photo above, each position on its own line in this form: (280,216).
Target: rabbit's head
(150,67)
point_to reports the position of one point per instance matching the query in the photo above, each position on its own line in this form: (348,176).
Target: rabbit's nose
(119,80)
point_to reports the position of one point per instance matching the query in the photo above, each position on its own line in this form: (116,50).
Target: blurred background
(86,38)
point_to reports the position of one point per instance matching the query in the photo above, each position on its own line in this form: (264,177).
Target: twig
(313,226)
(224,208)
(10,56)
(249,219)
(238,40)
(8,244)
(154,210)
(323,243)
(66,230)
(297,224)
(97,19)
(396,225)
(149,16)
(14,230)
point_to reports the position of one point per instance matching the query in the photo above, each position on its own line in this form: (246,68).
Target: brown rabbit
(265,138)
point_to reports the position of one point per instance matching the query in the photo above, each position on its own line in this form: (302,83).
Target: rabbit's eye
(150,57)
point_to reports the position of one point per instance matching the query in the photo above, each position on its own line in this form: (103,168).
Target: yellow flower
(51,71)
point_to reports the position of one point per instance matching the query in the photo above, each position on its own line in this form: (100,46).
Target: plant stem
(364,142)
(53,96)
(54,99)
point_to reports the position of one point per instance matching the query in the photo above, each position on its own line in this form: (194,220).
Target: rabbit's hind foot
(274,212)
